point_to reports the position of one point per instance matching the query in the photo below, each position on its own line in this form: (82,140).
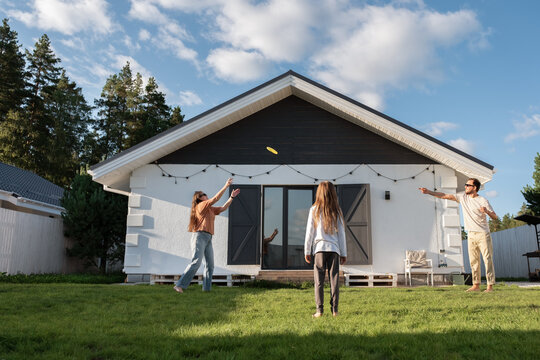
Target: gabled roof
(115,171)
(25,184)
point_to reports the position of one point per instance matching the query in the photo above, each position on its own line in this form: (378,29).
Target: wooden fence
(508,249)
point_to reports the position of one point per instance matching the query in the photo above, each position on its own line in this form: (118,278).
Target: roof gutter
(17,200)
(116,191)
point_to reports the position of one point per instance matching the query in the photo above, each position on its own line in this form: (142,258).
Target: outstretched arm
(439,195)
(225,206)
(489,213)
(220,193)
(271,237)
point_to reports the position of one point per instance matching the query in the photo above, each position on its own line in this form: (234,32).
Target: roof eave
(117,169)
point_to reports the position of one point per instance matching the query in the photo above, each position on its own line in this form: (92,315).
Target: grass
(75,321)
(63,278)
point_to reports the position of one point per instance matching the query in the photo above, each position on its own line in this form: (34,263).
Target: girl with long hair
(201,224)
(325,238)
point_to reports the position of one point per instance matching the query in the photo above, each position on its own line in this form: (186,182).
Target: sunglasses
(200,196)
(468,185)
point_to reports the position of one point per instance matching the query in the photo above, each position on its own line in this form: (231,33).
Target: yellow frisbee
(271,150)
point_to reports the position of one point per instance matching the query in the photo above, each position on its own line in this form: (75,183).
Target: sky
(465,72)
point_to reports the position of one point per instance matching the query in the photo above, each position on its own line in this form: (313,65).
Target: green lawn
(79,321)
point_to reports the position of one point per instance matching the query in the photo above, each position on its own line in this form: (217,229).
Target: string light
(268,172)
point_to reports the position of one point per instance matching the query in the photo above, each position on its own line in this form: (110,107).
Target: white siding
(409,220)
(31,244)
(508,249)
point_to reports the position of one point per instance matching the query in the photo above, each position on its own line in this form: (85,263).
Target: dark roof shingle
(28,185)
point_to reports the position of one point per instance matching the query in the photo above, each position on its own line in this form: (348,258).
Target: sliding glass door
(285,214)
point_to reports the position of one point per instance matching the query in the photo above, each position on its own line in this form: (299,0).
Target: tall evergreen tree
(116,105)
(153,117)
(12,72)
(44,75)
(176,117)
(44,136)
(96,220)
(128,115)
(532,193)
(71,114)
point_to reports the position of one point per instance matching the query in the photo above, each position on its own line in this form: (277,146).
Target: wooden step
(371,280)
(219,280)
(291,276)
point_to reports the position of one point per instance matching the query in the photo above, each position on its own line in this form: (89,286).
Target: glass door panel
(272,247)
(299,202)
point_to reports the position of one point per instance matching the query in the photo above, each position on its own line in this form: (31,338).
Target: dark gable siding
(302,133)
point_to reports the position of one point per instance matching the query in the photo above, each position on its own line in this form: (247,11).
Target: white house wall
(158,241)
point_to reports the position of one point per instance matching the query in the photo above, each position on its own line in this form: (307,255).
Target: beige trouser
(480,243)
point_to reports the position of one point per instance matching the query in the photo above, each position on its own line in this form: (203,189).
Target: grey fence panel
(508,249)
(31,243)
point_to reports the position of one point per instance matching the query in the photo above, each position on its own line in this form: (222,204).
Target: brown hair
(476,183)
(327,207)
(194,202)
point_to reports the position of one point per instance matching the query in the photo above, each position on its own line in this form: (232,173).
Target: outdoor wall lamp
(387,195)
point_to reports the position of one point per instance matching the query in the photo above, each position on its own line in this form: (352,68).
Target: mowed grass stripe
(64,321)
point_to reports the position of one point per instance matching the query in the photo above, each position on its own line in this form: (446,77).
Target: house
(376,162)
(31,227)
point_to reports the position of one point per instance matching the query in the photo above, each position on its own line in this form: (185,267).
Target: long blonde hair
(327,207)
(194,202)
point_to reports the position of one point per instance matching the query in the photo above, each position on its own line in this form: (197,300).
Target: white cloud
(374,49)
(147,12)
(189,98)
(167,41)
(144,35)
(464,145)
(280,30)
(437,128)
(130,44)
(237,65)
(491,193)
(67,17)
(361,50)
(529,127)
(189,5)
(171,35)
(74,43)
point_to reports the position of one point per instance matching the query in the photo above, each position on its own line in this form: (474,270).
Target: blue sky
(465,72)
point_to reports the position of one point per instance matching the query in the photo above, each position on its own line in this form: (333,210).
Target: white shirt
(474,219)
(317,240)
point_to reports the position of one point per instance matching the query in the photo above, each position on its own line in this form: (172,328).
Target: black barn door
(355,203)
(244,226)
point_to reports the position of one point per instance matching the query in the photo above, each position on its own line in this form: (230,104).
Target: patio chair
(416,263)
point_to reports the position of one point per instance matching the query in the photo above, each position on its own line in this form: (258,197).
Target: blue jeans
(201,244)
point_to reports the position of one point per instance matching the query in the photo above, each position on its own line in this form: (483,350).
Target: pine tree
(12,72)
(96,220)
(176,117)
(70,113)
(127,115)
(44,76)
(153,116)
(115,111)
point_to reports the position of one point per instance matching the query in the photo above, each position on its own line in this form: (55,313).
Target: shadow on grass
(317,345)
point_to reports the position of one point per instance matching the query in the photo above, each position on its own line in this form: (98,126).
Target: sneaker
(316,315)
(178,289)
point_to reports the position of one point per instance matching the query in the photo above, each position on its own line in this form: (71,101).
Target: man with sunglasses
(475,208)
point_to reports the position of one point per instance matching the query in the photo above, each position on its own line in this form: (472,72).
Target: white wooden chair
(417,263)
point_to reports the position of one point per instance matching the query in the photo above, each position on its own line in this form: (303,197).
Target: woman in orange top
(202,225)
